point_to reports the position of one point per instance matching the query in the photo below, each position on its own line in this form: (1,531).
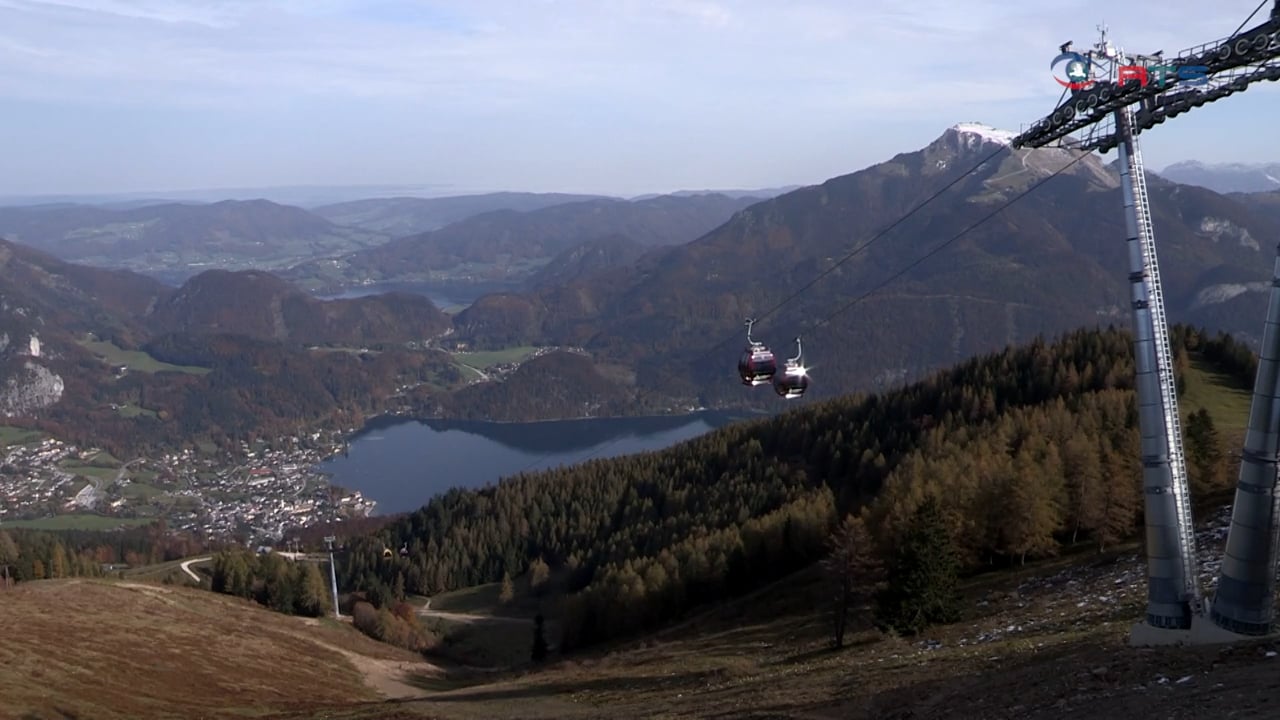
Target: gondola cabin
(757,365)
(794,378)
(792,381)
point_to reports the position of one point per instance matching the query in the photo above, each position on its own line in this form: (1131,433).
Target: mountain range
(1054,260)
(653,294)
(175,241)
(508,245)
(304,196)
(228,354)
(312,197)
(402,216)
(1226,177)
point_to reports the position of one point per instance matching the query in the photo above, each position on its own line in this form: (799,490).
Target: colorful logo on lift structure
(1078,72)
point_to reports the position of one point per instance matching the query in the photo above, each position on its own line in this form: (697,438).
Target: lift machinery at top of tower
(1230,65)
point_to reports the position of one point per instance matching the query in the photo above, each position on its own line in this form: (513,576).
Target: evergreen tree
(312,596)
(279,591)
(539,639)
(923,576)
(1204,451)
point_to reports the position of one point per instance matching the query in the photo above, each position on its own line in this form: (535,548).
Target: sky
(603,96)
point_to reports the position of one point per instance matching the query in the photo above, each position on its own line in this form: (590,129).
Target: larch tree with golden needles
(854,569)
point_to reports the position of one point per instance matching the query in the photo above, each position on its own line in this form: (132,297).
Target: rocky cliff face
(32,387)
(27,385)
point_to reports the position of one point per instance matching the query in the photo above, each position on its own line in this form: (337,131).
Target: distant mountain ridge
(262,306)
(652,293)
(762,193)
(304,196)
(402,216)
(508,245)
(1226,177)
(176,241)
(1054,260)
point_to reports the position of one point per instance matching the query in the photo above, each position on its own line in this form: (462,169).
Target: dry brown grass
(104,649)
(1044,642)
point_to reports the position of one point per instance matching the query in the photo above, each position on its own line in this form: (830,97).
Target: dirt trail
(426,611)
(387,677)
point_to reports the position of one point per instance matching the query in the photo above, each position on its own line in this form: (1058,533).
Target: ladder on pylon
(1164,364)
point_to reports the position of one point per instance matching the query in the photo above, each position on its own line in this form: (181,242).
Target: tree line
(292,588)
(300,588)
(47,555)
(1021,448)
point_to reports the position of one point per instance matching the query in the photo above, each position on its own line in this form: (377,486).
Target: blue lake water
(401,464)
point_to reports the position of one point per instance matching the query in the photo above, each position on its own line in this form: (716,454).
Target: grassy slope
(135,359)
(1226,399)
(489,358)
(10,435)
(107,649)
(78,521)
(1033,645)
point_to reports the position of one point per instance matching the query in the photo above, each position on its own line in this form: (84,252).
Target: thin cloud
(496,70)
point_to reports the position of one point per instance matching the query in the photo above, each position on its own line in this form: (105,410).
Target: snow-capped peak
(986,132)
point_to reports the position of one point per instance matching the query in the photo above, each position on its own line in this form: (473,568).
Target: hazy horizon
(306,196)
(615,97)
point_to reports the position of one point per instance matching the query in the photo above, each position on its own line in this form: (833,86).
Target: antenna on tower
(1104,46)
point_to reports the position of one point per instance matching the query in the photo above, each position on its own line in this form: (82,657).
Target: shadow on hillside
(1084,678)
(825,651)
(59,714)
(447,682)
(629,684)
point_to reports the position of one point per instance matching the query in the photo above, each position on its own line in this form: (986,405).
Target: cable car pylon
(1109,110)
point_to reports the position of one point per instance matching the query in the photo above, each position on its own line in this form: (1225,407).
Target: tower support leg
(1245,598)
(1171,583)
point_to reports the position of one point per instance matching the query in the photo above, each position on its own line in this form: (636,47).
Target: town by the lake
(258,493)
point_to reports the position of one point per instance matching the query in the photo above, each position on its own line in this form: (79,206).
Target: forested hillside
(43,555)
(1026,449)
(253,388)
